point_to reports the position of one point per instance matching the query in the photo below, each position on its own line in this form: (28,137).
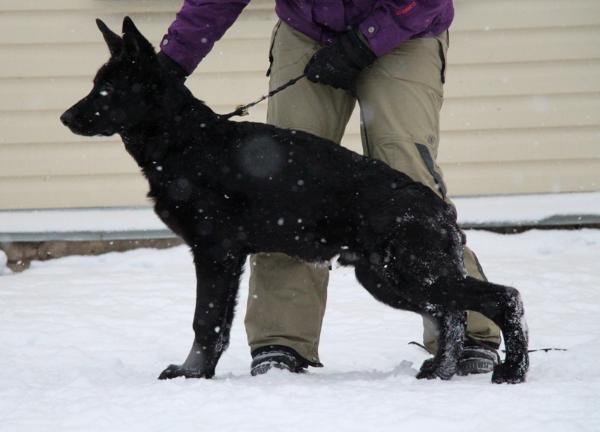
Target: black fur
(231,189)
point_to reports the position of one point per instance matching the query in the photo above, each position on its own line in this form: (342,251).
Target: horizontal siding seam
(138,175)
(456,99)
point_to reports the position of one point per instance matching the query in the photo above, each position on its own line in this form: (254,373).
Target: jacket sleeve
(392,22)
(198,25)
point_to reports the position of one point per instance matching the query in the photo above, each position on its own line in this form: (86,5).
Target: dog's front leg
(217,286)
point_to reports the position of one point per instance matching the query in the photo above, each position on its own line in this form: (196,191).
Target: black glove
(172,68)
(339,64)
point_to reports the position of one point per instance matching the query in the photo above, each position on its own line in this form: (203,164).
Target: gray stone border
(20,254)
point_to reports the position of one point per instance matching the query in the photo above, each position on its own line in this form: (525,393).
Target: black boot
(477,358)
(279,357)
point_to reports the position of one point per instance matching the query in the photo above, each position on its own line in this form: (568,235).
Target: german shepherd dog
(230,189)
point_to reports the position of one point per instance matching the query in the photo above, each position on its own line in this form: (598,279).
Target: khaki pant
(400,98)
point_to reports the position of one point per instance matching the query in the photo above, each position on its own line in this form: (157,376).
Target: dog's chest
(182,202)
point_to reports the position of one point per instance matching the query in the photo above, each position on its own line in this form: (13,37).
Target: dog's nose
(66,118)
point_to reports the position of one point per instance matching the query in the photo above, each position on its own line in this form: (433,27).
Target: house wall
(521,114)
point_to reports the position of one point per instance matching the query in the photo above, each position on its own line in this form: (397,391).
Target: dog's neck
(168,126)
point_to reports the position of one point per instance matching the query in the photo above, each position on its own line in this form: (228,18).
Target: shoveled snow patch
(3,260)
(83,339)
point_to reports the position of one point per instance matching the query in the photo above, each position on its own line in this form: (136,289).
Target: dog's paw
(176,371)
(507,373)
(427,369)
(430,369)
(427,372)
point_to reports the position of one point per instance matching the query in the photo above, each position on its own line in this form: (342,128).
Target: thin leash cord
(242,110)
(529,351)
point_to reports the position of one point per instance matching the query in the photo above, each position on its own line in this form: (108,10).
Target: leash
(529,351)
(242,110)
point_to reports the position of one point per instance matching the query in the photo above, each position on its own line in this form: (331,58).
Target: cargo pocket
(430,164)
(420,60)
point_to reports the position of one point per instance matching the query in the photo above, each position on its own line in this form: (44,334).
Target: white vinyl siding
(521,114)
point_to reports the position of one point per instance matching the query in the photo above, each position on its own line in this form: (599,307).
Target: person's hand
(339,64)
(172,68)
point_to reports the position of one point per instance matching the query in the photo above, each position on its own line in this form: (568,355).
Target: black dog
(231,189)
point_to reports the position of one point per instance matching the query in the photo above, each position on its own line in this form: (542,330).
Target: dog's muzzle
(67,118)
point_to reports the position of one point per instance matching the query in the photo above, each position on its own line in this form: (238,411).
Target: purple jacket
(385,23)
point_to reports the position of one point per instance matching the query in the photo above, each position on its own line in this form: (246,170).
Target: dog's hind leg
(451,324)
(379,288)
(502,305)
(451,327)
(216,292)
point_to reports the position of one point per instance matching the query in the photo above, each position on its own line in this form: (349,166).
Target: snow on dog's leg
(502,305)
(514,328)
(217,286)
(451,326)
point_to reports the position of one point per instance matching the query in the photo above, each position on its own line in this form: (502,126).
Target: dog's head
(127,89)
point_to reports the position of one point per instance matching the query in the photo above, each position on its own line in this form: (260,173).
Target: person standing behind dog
(390,57)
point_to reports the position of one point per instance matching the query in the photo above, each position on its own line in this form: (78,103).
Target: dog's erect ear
(135,42)
(113,40)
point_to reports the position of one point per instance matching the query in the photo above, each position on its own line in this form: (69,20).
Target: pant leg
(287,297)
(400,98)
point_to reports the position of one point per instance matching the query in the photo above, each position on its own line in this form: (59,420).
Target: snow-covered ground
(82,340)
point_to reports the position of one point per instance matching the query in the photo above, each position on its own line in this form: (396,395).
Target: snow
(526,208)
(78,220)
(83,339)
(3,259)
